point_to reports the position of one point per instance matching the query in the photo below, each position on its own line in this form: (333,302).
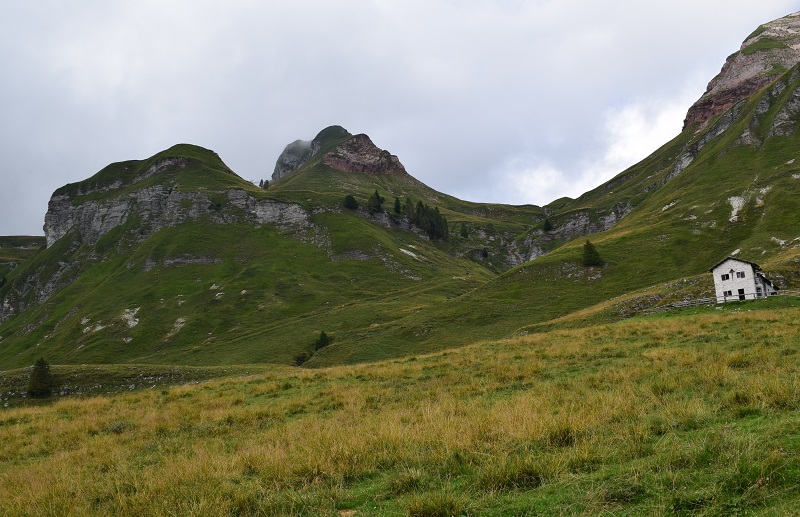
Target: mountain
(764,55)
(177,260)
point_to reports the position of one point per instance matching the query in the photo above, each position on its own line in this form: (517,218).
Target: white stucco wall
(748,283)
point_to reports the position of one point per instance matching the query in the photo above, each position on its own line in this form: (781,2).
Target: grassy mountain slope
(200,169)
(734,197)
(16,249)
(677,414)
(219,287)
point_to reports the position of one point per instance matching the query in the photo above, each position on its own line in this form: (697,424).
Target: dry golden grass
(695,414)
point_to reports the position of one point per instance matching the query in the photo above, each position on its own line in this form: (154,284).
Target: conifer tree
(41,382)
(398,208)
(591,257)
(322,341)
(375,203)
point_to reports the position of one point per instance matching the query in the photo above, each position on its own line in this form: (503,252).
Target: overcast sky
(505,101)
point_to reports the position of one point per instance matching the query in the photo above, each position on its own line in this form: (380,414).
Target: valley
(345,340)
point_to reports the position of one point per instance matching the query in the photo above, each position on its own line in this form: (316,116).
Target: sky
(510,101)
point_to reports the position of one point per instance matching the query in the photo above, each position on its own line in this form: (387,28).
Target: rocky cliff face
(83,214)
(354,154)
(158,207)
(767,53)
(359,154)
(292,158)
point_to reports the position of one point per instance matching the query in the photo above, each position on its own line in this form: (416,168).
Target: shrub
(350,202)
(547,226)
(41,382)
(322,341)
(301,358)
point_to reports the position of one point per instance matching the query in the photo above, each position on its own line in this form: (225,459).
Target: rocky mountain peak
(339,150)
(292,158)
(359,154)
(297,154)
(768,52)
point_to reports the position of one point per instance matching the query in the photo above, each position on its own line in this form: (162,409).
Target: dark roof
(767,280)
(756,267)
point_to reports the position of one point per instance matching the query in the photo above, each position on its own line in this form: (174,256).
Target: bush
(350,202)
(547,226)
(322,341)
(301,358)
(41,382)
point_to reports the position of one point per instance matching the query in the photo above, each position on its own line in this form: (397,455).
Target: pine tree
(398,208)
(375,203)
(41,382)
(591,257)
(322,341)
(464,230)
(547,226)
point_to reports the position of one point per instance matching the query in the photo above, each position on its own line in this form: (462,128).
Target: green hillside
(15,250)
(686,413)
(205,268)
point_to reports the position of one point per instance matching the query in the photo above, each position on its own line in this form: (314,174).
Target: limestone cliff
(767,53)
(135,200)
(292,158)
(157,206)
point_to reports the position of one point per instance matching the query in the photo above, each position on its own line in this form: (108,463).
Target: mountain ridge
(214,269)
(763,56)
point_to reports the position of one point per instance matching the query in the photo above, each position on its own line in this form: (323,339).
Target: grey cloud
(457,89)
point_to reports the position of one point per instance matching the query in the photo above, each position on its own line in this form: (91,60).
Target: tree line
(423,216)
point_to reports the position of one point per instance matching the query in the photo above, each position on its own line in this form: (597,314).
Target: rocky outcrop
(766,54)
(693,149)
(159,207)
(292,158)
(359,154)
(352,154)
(299,152)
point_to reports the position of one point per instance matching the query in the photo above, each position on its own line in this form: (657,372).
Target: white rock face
(159,208)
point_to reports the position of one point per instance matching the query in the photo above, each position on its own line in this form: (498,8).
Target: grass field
(683,413)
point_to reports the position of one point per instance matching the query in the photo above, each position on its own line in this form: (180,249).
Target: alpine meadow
(343,340)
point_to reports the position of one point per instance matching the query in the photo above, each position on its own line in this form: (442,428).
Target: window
(727,293)
(740,274)
(726,276)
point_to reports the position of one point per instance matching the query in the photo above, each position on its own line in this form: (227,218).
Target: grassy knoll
(681,413)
